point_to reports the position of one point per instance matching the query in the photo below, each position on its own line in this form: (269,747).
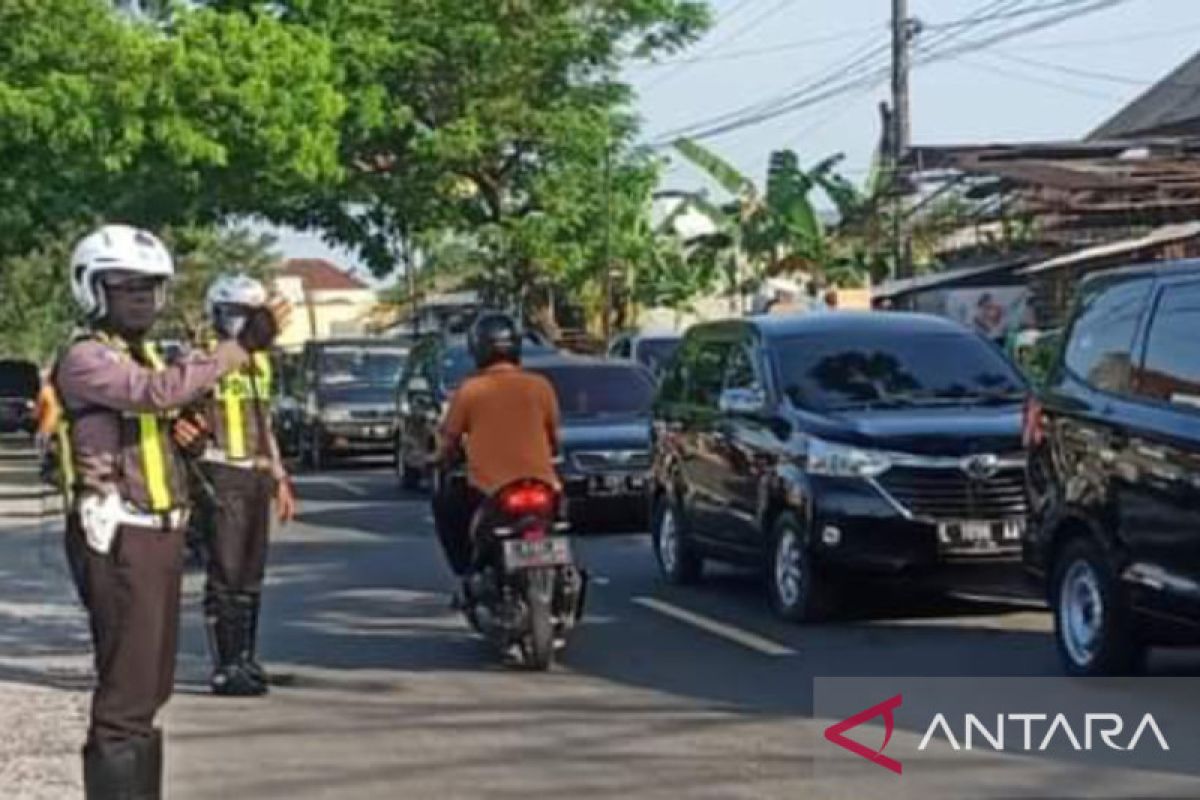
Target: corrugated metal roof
(922,283)
(1159,236)
(1170,106)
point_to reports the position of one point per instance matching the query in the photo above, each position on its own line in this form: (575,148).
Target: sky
(1057,83)
(993,93)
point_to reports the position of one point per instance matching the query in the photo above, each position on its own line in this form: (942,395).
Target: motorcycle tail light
(528,499)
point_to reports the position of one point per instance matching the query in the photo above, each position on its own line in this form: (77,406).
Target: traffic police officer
(128,492)
(245,471)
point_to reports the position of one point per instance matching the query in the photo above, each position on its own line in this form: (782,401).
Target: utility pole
(903,30)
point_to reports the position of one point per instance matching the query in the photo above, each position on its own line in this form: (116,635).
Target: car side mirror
(743,402)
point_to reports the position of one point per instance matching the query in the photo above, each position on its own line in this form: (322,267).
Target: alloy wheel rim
(789,576)
(1081,612)
(668,541)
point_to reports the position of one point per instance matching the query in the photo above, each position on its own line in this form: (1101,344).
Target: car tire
(798,589)
(678,562)
(1093,628)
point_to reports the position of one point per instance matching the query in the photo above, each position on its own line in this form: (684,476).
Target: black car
(436,366)
(346,387)
(1114,471)
(19,386)
(605,440)
(828,445)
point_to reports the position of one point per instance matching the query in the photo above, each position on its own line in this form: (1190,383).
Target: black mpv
(1114,471)
(822,446)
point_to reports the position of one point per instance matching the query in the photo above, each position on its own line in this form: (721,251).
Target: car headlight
(844,461)
(335,415)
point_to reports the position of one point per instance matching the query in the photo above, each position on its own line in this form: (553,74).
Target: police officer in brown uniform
(128,502)
(245,470)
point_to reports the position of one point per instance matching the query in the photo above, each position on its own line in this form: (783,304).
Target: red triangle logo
(835,733)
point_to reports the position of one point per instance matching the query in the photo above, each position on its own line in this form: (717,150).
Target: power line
(1092,74)
(1145,36)
(813,92)
(1039,81)
(732,37)
(737,55)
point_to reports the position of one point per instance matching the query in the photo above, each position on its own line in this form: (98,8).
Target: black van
(823,445)
(1114,471)
(20,382)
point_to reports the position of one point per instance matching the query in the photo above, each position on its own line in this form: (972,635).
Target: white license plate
(552,552)
(618,484)
(977,536)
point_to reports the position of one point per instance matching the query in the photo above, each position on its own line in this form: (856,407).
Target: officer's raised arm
(90,373)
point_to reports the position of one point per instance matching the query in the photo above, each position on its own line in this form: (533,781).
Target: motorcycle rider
(127,500)
(509,419)
(245,472)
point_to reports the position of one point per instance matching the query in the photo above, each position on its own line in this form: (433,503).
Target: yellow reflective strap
(235,424)
(66,460)
(154,462)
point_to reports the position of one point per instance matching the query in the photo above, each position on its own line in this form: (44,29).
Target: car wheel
(799,591)
(677,559)
(1091,615)
(410,479)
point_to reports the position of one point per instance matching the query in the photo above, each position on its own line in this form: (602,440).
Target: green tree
(103,116)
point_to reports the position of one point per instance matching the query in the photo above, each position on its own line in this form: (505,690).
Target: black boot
(248,657)
(126,770)
(228,634)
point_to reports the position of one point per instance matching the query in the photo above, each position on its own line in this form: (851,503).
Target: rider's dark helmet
(494,337)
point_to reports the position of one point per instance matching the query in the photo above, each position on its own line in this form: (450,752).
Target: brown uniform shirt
(95,379)
(510,420)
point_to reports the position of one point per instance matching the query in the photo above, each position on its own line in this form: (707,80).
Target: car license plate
(616,484)
(979,536)
(551,552)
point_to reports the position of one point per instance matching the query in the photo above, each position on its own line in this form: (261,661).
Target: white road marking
(347,486)
(746,639)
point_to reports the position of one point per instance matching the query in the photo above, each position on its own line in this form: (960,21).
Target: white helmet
(237,289)
(114,248)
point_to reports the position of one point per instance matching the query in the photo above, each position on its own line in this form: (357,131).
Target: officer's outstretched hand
(285,501)
(263,325)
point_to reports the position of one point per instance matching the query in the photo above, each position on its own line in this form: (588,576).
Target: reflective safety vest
(238,415)
(150,474)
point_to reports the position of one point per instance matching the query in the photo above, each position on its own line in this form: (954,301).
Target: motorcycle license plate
(553,552)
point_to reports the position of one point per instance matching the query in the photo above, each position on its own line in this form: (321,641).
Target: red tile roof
(319,275)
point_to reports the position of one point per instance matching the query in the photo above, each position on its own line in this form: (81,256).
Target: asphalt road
(663,693)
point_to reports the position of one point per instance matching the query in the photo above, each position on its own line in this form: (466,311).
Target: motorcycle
(523,589)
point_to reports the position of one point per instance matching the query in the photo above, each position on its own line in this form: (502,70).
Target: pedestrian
(127,504)
(831,299)
(245,473)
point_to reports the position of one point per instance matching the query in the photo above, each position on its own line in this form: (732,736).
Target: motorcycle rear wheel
(537,648)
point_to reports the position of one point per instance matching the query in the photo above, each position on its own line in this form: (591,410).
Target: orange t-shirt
(510,420)
(48,410)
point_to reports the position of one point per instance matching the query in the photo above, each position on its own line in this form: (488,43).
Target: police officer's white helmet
(115,248)
(236,289)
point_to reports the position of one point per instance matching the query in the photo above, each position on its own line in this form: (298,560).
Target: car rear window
(601,390)
(854,370)
(655,353)
(19,379)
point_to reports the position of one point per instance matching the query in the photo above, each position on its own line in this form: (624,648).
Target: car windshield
(372,366)
(458,364)
(863,370)
(601,390)
(655,353)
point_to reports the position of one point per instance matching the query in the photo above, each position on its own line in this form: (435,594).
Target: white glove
(100,516)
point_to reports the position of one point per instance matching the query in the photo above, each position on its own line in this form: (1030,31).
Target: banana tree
(763,230)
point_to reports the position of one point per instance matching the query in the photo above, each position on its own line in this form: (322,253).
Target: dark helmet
(494,337)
